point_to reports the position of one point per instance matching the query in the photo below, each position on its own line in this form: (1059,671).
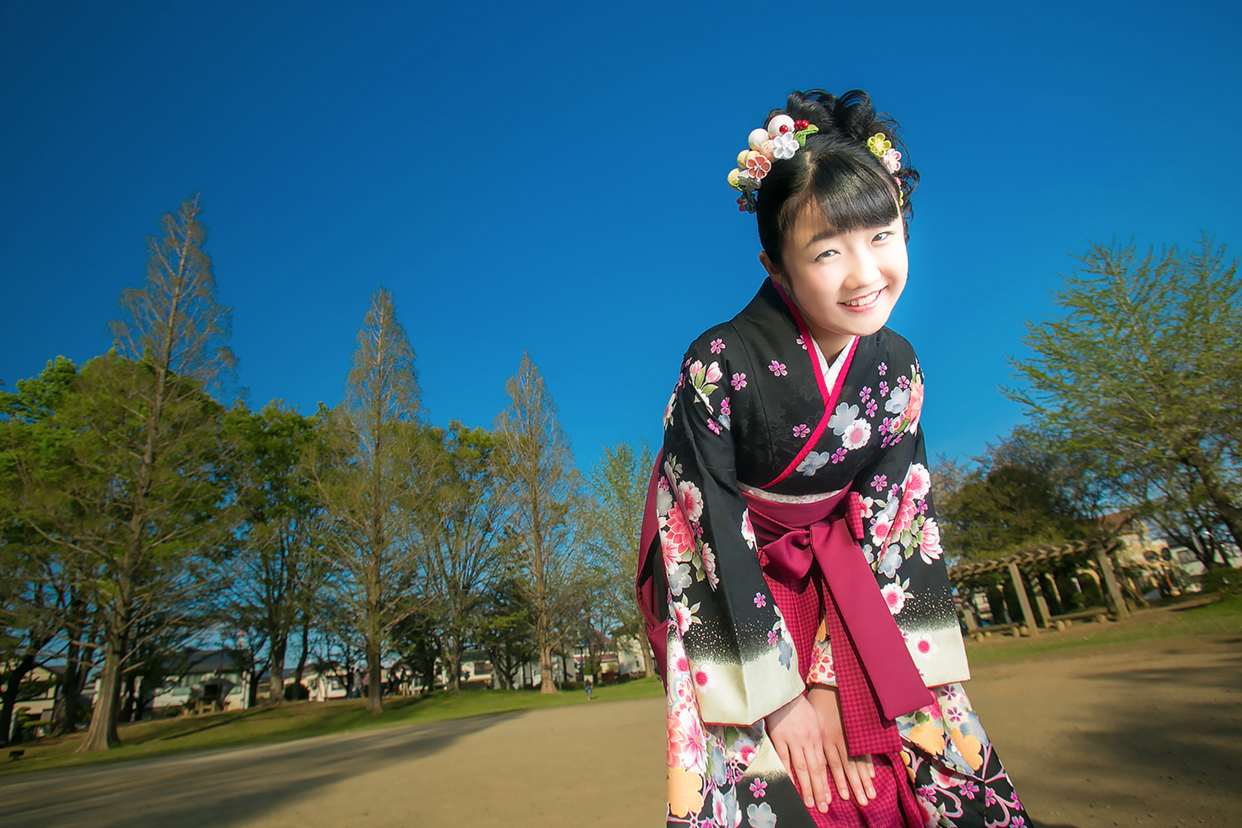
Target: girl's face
(844,283)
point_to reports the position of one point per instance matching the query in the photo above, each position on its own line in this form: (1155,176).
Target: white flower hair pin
(780,140)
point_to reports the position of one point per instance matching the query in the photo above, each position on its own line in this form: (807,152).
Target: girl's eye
(826,254)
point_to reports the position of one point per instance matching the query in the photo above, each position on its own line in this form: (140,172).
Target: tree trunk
(12,686)
(146,693)
(101,734)
(644,645)
(452,663)
(1230,514)
(64,715)
(276,671)
(546,683)
(129,684)
(305,652)
(375,681)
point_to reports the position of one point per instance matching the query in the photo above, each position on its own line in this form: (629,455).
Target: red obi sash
(875,672)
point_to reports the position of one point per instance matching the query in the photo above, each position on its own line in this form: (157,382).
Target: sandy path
(1146,734)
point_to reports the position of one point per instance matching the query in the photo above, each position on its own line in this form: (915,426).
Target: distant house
(1149,562)
(36,698)
(324,686)
(204,680)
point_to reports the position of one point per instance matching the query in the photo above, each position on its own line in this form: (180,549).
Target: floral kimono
(759,421)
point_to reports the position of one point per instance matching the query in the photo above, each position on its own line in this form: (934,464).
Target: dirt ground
(1142,734)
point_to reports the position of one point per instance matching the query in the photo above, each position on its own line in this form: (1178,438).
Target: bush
(1222,581)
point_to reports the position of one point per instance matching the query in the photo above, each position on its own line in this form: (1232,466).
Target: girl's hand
(795,733)
(850,774)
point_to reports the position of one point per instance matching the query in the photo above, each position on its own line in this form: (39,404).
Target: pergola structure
(966,576)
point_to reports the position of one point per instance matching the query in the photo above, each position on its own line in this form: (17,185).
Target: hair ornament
(882,148)
(782,137)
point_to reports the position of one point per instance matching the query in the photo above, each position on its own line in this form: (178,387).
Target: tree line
(1133,398)
(141,516)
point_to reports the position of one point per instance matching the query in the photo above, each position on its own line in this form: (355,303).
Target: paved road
(1148,734)
(599,764)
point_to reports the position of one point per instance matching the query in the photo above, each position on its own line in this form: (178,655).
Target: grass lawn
(1162,623)
(260,725)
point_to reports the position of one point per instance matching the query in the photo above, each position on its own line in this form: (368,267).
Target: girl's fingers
(782,750)
(869,776)
(837,759)
(857,785)
(803,776)
(822,792)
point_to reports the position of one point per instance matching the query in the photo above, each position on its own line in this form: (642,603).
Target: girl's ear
(771,268)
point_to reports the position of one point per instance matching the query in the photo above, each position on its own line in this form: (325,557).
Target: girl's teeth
(862,300)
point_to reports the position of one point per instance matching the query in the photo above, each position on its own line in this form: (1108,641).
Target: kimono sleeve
(727,643)
(902,538)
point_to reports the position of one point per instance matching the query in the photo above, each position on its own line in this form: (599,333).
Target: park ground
(1133,723)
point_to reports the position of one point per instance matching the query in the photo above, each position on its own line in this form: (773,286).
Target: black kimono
(759,414)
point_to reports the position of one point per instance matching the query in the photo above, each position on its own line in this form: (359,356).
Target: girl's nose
(865,272)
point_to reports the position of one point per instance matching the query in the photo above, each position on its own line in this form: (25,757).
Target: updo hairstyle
(834,171)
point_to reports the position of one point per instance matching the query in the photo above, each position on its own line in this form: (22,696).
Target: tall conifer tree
(366,476)
(537,467)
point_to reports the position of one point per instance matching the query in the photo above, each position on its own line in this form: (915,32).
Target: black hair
(835,171)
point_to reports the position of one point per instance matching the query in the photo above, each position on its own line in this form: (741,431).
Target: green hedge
(1223,581)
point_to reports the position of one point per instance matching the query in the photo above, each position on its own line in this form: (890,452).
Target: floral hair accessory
(779,141)
(882,148)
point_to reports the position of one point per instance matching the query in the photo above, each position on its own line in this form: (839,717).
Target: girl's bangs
(853,196)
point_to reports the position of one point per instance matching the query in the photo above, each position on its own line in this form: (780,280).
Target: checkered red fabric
(803,606)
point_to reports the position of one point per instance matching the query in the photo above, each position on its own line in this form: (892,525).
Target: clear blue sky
(551,177)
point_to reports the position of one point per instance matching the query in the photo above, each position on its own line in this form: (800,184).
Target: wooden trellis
(966,575)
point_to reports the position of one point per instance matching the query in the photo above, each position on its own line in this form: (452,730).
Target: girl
(791,573)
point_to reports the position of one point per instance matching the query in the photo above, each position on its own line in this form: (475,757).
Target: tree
(505,632)
(459,518)
(157,448)
(366,474)
(618,484)
(1008,508)
(536,466)
(37,588)
(281,527)
(1144,371)
(1024,491)
(135,494)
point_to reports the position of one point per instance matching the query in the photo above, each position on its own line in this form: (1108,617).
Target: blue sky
(551,178)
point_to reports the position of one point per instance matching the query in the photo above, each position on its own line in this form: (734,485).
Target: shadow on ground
(219,788)
(1149,736)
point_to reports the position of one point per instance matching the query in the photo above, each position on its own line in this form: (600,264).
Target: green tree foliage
(459,515)
(1006,509)
(618,485)
(1143,371)
(1023,492)
(505,632)
(36,587)
(366,472)
(132,493)
(281,527)
(536,467)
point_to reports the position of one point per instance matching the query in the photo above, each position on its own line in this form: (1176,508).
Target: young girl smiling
(792,574)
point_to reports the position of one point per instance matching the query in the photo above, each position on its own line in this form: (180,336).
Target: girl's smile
(864,303)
